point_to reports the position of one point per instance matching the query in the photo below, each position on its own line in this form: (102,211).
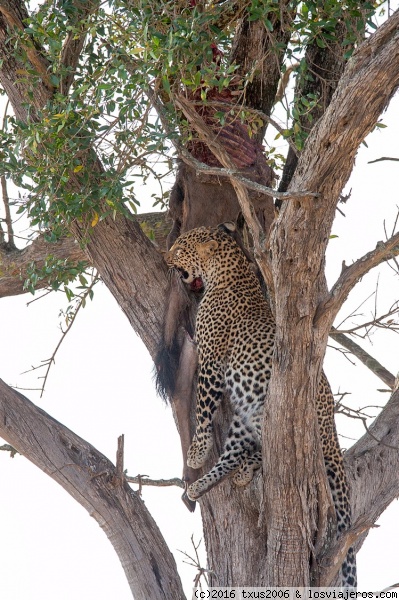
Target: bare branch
(370,162)
(195,562)
(142,480)
(90,478)
(248,183)
(370,362)
(376,322)
(351,274)
(120,459)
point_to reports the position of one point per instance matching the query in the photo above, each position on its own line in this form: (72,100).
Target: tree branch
(145,480)
(74,41)
(331,562)
(10,244)
(92,480)
(14,263)
(248,183)
(370,362)
(259,54)
(371,464)
(14,15)
(370,162)
(350,276)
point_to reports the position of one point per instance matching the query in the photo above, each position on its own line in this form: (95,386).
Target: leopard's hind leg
(210,390)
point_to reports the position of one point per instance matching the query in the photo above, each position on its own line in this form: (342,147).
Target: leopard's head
(193,252)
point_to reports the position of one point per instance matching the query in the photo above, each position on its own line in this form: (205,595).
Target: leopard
(235,333)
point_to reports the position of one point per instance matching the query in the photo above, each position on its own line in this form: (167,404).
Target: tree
(96,94)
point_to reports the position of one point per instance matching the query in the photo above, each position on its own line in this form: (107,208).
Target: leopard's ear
(229,227)
(169,255)
(206,249)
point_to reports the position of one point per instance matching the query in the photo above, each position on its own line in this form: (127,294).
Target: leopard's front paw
(196,489)
(199,451)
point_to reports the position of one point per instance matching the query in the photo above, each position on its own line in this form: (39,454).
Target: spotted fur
(235,332)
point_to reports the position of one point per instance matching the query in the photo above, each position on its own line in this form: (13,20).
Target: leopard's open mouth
(197,284)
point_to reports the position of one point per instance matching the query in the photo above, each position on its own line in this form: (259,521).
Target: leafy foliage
(85,155)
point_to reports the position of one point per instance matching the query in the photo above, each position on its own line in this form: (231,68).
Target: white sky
(101,386)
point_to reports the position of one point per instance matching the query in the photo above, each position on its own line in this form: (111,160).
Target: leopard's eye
(184,274)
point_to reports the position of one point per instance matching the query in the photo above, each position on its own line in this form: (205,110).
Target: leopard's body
(235,332)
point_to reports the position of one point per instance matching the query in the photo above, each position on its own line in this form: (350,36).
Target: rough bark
(323,70)
(94,482)
(369,80)
(372,465)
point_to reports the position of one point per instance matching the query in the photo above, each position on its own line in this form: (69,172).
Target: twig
(49,362)
(145,480)
(195,562)
(376,322)
(119,476)
(354,311)
(351,412)
(382,158)
(10,449)
(344,352)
